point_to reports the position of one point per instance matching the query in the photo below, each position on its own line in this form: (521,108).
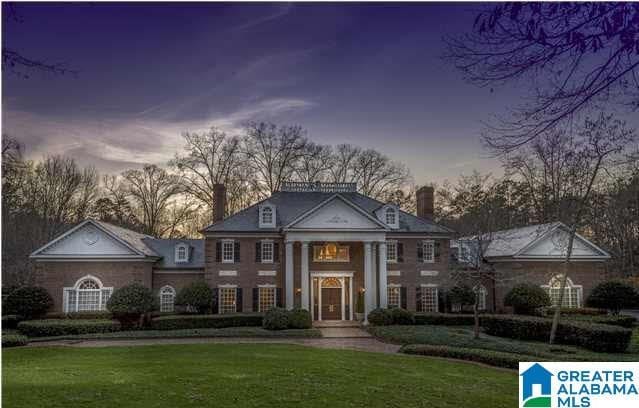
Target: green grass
(460,336)
(159,334)
(244,375)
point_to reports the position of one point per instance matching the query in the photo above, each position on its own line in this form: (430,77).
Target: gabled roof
(129,239)
(291,205)
(537,242)
(166,249)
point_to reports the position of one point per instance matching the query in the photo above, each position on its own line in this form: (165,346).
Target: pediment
(337,214)
(555,244)
(86,241)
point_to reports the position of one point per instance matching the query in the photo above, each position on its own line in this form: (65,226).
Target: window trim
(272,244)
(173,293)
(483,296)
(261,222)
(348,254)
(399,296)
(430,286)
(76,287)
(570,286)
(394,244)
(219,306)
(393,212)
(425,244)
(177,252)
(259,295)
(232,243)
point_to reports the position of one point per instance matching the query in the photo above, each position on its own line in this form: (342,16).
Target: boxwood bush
(447,319)
(593,336)
(276,318)
(574,311)
(299,319)
(402,316)
(380,317)
(61,327)
(613,295)
(195,298)
(100,315)
(130,302)
(615,320)
(494,358)
(28,301)
(14,340)
(180,322)
(527,299)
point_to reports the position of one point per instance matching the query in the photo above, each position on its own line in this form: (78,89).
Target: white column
(374,281)
(319,298)
(368,280)
(304,277)
(383,280)
(290,290)
(312,306)
(343,280)
(350,296)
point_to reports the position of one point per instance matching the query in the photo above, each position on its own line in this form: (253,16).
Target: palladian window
(88,295)
(572,293)
(330,252)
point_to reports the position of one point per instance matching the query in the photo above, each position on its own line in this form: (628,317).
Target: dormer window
(267,216)
(181,252)
(391,216)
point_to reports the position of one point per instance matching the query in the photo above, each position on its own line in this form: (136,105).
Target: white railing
(318,186)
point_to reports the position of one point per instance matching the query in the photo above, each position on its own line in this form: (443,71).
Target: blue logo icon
(536,383)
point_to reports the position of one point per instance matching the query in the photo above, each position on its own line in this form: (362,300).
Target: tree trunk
(476,315)
(562,288)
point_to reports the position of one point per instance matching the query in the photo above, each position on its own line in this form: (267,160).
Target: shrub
(195,298)
(14,340)
(448,319)
(593,336)
(61,327)
(184,322)
(574,311)
(100,315)
(526,299)
(401,316)
(299,319)
(613,296)
(615,320)
(276,318)
(461,295)
(28,301)
(380,317)
(493,358)
(10,321)
(130,302)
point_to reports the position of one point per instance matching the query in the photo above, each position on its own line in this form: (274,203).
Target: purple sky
(370,75)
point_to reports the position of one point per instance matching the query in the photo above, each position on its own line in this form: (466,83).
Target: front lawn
(462,336)
(244,375)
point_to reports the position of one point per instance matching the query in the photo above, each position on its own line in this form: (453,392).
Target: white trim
(331,274)
(223,242)
(94,258)
(85,277)
(260,211)
(227,273)
(565,228)
(267,241)
(428,273)
(266,285)
(432,242)
(335,236)
(429,285)
(226,285)
(266,273)
(392,243)
(179,246)
(394,273)
(178,271)
(173,293)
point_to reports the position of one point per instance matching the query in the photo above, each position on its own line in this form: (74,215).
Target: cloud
(118,143)
(280,11)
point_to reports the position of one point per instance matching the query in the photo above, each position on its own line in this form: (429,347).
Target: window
(228,251)
(391,251)
(481,292)
(88,295)
(391,216)
(266,298)
(463,253)
(331,252)
(167,299)
(228,300)
(572,293)
(394,296)
(429,299)
(181,253)
(267,251)
(267,215)
(429,251)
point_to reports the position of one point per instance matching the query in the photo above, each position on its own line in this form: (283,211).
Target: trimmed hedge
(276,318)
(181,322)
(61,327)
(103,315)
(10,321)
(526,299)
(616,320)
(28,301)
(493,358)
(14,340)
(447,319)
(299,319)
(572,311)
(593,336)
(392,316)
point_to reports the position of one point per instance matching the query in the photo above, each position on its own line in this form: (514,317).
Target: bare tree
(315,163)
(272,153)
(574,55)
(152,188)
(343,162)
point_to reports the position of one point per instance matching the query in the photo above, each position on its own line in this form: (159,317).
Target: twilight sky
(370,75)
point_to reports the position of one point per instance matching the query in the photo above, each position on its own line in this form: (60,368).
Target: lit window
(228,300)
(167,299)
(429,251)
(429,299)
(331,253)
(481,292)
(394,296)
(267,215)
(87,295)
(266,298)
(228,251)
(267,251)
(572,293)
(391,216)
(391,251)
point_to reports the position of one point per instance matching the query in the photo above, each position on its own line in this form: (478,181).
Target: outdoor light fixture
(298,290)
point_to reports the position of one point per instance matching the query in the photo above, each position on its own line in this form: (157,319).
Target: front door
(331,303)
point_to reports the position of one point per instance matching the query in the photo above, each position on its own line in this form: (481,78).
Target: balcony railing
(317,186)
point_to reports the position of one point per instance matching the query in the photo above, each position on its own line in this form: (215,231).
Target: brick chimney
(425,202)
(219,202)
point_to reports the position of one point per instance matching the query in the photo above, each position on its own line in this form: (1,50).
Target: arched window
(481,293)
(181,252)
(391,216)
(167,299)
(87,295)
(572,293)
